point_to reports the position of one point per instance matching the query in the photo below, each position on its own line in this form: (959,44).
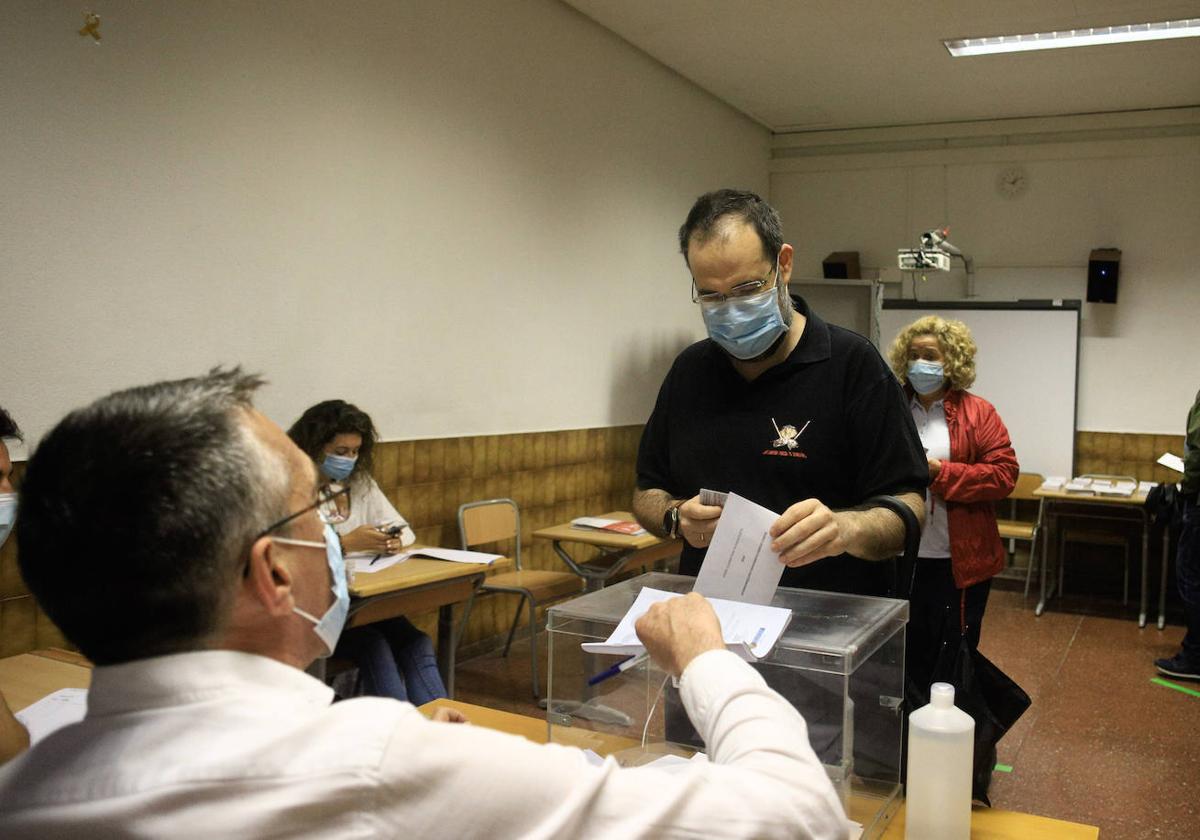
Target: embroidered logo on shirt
(785,442)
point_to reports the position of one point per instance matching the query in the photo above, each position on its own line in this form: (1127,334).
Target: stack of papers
(1114,488)
(1054,482)
(749,630)
(617,526)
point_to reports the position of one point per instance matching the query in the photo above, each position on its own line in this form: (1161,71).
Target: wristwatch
(671,521)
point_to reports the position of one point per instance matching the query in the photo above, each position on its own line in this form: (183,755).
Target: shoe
(1178,667)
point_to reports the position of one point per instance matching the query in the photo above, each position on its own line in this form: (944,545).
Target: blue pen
(622,666)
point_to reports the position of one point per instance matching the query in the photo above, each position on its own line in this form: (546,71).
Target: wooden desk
(994,824)
(28,677)
(417,585)
(986,823)
(1119,508)
(620,550)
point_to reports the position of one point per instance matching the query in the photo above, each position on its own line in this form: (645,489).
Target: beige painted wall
(459,214)
(1130,181)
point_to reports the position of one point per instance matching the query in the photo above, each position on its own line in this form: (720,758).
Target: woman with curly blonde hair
(971,466)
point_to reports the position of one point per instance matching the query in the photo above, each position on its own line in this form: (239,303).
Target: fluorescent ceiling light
(1160,31)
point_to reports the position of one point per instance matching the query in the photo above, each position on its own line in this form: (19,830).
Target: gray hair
(137,513)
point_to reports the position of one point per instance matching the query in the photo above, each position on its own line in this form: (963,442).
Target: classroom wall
(1131,181)
(459,215)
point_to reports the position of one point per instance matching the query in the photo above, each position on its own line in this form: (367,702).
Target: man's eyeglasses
(332,506)
(741,290)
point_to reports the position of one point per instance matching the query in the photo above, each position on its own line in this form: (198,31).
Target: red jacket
(982,470)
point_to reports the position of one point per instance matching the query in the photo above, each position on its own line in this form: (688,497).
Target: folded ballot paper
(616,526)
(750,630)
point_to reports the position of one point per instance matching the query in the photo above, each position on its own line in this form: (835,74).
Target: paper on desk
(454,555)
(673,763)
(749,630)
(616,526)
(739,564)
(1168,459)
(53,712)
(360,562)
(1115,488)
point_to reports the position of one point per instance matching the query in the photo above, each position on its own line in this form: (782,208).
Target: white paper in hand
(739,564)
(749,630)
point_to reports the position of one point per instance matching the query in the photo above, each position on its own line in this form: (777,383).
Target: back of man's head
(137,512)
(713,211)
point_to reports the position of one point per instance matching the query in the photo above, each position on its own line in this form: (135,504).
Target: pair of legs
(938,613)
(939,616)
(394,659)
(1186,663)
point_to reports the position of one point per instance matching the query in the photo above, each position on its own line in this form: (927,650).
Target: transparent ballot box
(840,663)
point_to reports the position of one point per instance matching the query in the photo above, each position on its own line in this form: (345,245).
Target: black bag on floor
(989,696)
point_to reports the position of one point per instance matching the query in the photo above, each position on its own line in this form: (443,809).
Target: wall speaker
(841,265)
(1104,266)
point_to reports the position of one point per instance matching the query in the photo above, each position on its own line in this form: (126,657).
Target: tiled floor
(1101,744)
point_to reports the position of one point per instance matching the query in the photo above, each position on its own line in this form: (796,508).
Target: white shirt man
(229,738)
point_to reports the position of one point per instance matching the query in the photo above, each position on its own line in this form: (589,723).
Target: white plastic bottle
(941,747)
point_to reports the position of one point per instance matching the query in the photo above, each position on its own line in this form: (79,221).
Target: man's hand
(370,539)
(677,631)
(806,532)
(697,522)
(445,714)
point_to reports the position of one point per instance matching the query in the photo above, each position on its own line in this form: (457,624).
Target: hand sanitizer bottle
(941,746)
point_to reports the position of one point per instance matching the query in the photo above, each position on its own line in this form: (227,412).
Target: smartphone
(391,531)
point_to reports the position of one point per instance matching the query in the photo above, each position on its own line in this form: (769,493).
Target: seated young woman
(394,658)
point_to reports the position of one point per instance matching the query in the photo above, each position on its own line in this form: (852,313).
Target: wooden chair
(495,520)
(1023,529)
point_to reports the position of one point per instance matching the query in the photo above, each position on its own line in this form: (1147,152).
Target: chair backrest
(1026,484)
(490,521)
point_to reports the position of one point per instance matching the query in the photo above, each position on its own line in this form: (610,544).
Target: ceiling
(813,65)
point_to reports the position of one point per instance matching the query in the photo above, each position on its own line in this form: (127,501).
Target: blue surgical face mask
(926,377)
(329,626)
(8,514)
(746,327)
(338,467)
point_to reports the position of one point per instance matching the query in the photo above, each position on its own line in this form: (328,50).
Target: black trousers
(937,611)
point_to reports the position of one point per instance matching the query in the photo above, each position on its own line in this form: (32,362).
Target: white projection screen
(1026,366)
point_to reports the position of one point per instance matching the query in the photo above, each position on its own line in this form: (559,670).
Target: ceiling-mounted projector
(934,255)
(923,259)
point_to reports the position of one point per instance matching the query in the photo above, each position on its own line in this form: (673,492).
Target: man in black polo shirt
(800,416)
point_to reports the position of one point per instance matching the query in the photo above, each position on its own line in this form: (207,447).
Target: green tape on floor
(1004,768)
(1169,684)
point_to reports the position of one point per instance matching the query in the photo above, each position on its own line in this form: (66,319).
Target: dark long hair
(326,420)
